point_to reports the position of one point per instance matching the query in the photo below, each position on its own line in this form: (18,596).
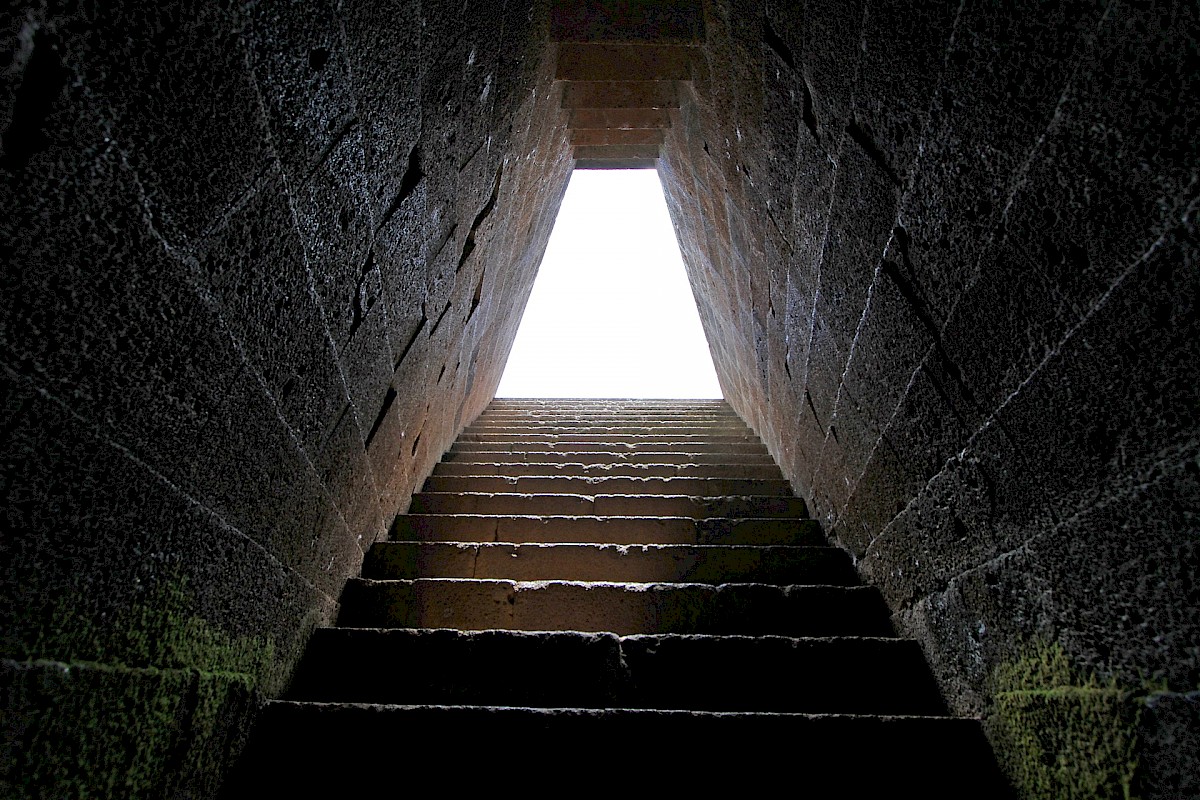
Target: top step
(611,407)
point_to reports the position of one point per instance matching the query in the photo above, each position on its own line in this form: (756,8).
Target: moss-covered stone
(96,731)
(160,631)
(152,703)
(1059,732)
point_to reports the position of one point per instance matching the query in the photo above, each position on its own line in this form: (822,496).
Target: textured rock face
(261,264)
(945,257)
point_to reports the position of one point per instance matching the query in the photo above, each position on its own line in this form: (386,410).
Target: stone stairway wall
(584,580)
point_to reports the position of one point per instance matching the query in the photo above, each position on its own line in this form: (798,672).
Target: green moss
(149,703)
(100,731)
(1059,732)
(159,631)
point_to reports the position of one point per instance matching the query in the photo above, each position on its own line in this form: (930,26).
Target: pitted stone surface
(263,261)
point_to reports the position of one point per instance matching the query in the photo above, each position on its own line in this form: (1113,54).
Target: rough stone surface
(262,262)
(946,261)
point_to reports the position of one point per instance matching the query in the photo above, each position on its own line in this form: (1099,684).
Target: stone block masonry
(262,262)
(945,256)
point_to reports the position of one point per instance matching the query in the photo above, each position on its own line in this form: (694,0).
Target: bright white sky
(611,313)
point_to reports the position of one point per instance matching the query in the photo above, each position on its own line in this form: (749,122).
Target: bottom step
(392,751)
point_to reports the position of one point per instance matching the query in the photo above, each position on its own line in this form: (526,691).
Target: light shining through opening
(611,313)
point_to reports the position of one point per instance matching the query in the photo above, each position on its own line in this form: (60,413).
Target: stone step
(617,416)
(304,749)
(622,414)
(643,563)
(603,530)
(572,446)
(647,419)
(857,675)
(561,403)
(621,608)
(617,505)
(696,487)
(624,469)
(634,429)
(594,457)
(610,438)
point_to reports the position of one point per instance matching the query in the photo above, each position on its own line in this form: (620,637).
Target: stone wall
(261,263)
(945,255)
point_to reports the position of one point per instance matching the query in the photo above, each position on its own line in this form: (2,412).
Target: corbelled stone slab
(711,564)
(620,94)
(615,151)
(616,163)
(664,22)
(579,61)
(616,136)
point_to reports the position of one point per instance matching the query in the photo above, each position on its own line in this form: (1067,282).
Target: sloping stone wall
(945,256)
(260,265)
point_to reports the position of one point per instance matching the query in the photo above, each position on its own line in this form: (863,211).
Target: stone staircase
(626,593)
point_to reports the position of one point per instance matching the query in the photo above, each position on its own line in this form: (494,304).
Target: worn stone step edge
(611,437)
(741,673)
(627,411)
(616,448)
(617,404)
(711,564)
(531,484)
(672,752)
(519,529)
(605,505)
(624,469)
(596,458)
(609,420)
(709,412)
(622,608)
(508,427)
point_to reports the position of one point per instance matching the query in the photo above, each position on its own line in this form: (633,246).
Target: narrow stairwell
(623,587)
